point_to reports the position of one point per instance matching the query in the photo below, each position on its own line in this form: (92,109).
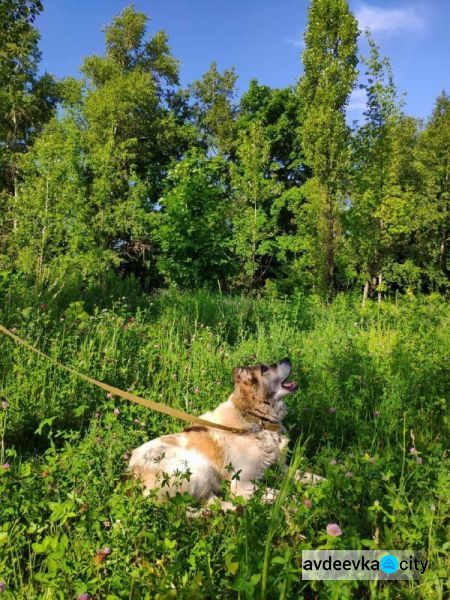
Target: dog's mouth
(290,386)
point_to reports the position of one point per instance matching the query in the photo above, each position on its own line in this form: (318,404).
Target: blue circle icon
(389,564)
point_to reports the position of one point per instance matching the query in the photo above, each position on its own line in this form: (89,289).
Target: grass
(373,385)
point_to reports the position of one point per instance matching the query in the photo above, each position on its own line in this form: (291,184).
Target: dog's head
(260,388)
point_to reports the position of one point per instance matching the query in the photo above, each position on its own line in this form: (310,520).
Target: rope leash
(157,406)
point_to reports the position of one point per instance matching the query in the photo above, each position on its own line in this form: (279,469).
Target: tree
(277,110)
(193,224)
(329,61)
(27,102)
(254,189)
(433,153)
(54,238)
(415,210)
(214,111)
(373,146)
(400,210)
(131,135)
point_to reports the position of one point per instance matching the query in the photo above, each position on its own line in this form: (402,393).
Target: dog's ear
(237,373)
(242,375)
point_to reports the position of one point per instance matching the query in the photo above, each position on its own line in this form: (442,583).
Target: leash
(157,406)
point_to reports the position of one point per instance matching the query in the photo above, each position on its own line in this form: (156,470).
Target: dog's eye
(264,369)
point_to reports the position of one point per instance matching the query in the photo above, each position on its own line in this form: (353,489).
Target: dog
(198,459)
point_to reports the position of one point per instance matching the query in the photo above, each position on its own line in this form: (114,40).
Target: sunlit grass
(373,384)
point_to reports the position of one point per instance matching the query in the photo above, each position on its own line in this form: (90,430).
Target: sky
(262,39)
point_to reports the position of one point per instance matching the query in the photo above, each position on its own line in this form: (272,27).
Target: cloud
(390,20)
(357,101)
(296,42)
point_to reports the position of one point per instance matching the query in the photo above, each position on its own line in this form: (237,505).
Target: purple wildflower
(349,474)
(333,461)
(4,404)
(83,596)
(6,465)
(419,460)
(106,551)
(2,587)
(117,412)
(334,530)
(332,409)
(307,502)
(126,456)
(413,450)
(109,395)
(376,413)
(136,421)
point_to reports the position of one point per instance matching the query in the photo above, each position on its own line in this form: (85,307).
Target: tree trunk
(16,203)
(380,293)
(365,293)
(329,241)
(43,237)
(330,266)
(15,183)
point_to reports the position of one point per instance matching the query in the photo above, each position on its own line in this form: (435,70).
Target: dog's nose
(286,362)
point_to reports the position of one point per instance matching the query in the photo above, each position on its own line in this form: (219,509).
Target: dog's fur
(198,459)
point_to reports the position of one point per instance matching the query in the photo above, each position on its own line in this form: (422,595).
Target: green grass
(65,498)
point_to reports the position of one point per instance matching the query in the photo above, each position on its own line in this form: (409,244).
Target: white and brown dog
(198,459)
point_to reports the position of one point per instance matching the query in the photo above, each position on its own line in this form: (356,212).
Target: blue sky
(260,38)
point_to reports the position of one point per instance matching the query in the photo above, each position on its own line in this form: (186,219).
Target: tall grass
(373,385)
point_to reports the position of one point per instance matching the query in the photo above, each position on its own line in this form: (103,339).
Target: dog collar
(263,423)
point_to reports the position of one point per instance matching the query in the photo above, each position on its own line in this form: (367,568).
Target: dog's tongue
(289,385)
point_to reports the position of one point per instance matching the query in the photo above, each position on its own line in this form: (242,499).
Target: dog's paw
(308,478)
(197,513)
(270,495)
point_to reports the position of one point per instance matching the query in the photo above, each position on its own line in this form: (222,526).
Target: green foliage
(136,182)
(277,111)
(254,189)
(70,522)
(282,192)
(193,227)
(433,151)
(130,135)
(27,101)
(53,236)
(214,110)
(374,178)
(329,60)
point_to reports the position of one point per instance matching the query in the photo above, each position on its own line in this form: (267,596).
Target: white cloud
(390,20)
(357,101)
(296,42)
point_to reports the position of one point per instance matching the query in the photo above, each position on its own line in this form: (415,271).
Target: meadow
(128,191)
(370,415)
